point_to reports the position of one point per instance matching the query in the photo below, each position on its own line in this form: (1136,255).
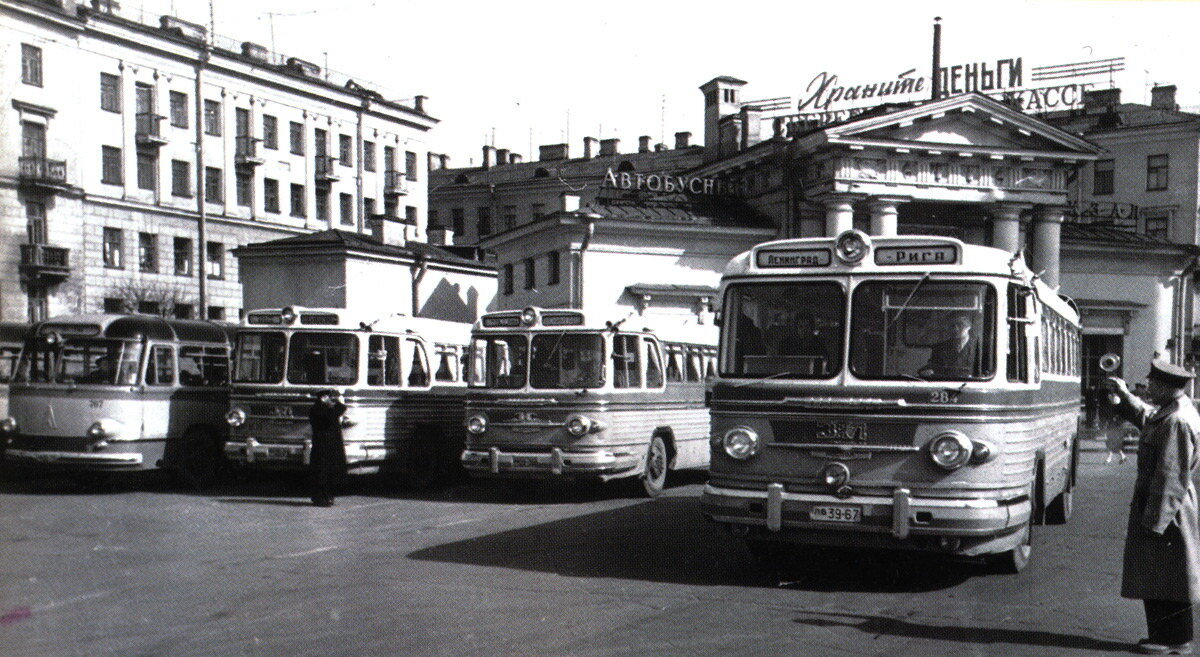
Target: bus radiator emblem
(842,432)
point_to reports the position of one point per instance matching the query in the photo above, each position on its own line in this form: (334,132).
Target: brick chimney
(441,235)
(489,157)
(389,230)
(644,144)
(433,161)
(682,139)
(1101,100)
(419,103)
(1163,97)
(610,146)
(515,158)
(722,97)
(445,160)
(554,152)
(501,156)
(591,146)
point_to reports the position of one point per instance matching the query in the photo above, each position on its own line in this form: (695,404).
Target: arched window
(625,165)
(462,179)
(541,172)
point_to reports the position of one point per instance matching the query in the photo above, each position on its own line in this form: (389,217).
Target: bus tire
(423,459)
(1061,507)
(198,459)
(1017,559)
(654,474)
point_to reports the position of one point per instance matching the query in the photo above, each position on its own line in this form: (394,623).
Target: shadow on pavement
(879,625)
(668,541)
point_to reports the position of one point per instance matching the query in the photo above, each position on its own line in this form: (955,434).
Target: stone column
(884,215)
(1047,243)
(839,215)
(1006,226)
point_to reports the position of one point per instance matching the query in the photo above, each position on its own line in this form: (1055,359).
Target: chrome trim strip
(709,489)
(59,457)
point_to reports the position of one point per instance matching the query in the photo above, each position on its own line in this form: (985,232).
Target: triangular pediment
(967,122)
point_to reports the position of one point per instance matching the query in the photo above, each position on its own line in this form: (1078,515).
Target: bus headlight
(476,424)
(236,417)
(950,450)
(578,425)
(8,425)
(741,443)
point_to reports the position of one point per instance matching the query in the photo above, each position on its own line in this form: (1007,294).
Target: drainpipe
(202,218)
(418,267)
(577,264)
(358,168)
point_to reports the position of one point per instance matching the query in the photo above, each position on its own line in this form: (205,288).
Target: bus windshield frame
(784,329)
(80,361)
(539,360)
(261,363)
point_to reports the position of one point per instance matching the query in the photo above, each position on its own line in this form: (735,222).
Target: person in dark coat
(958,356)
(327,461)
(1162,540)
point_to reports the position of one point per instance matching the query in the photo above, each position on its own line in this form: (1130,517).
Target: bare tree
(153,298)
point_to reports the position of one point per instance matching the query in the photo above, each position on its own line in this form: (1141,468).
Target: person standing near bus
(1162,542)
(327,461)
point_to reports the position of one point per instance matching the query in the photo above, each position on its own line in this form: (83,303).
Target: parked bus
(11,336)
(556,394)
(401,379)
(120,392)
(898,392)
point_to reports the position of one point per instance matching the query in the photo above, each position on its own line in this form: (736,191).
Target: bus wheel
(199,460)
(654,478)
(1060,509)
(423,460)
(1016,559)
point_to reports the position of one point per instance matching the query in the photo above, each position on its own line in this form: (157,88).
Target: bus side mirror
(718,317)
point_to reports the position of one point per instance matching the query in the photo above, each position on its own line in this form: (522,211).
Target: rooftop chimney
(660,147)
(489,157)
(501,156)
(682,139)
(570,202)
(419,103)
(590,147)
(441,235)
(610,146)
(553,152)
(389,230)
(515,158)
(1163,97)
(1101,100)
(433,161)
(445,160)
(644,144)
(255,51)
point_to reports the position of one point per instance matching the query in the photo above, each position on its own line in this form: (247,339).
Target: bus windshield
(784,330)
(323,359)
(259,357)
(566,360)
(923,330)
(499,361)
(98,361)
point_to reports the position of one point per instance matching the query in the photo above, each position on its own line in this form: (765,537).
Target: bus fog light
(236,417)
(950,450)
(104,429)
(741,443)
(836,475)
(476,424)
(982,451)
(8,426)
(578,425)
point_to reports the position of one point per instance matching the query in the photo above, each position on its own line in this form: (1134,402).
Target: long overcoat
(328,459)
(1162,540)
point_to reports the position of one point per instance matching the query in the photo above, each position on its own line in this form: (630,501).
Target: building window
(369,155)
(114,254)
(347,203)
(212,118)
(1157,222)
(183,256)
(368,207)
(530,273)
(270,195)
(245,188)
(147,170)
(410,215)
(457,221)
(31,65)
(346,150)
(552,268)
(183,311)
(1103,181)
(389,158)
(322,198)
(147,307)
(35,222)
(179,109)
(214,185)
(537,211)
(433,219)
(510,217)
(110,165)
(181,178)
(110,92)
(485,221)
(38,305)
(391,206)
(214,257)
(148,253)
(270,137)
(1157,169)
(216,313)
(508,279)
(410,165)
(297,137)
(114,306)
(298,209)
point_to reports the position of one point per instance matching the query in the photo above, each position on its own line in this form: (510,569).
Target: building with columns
(134,158)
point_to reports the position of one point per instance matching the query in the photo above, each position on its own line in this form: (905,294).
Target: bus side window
(8,362)
(160,370)
(674,356)
(1020,318)
(710,370)
(418,371)
(627,371)
(383,364)
(203,366)
(654,373)
(693,364)
(447,365)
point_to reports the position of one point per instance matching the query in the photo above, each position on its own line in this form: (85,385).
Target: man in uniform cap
(327,460)
(1162,540)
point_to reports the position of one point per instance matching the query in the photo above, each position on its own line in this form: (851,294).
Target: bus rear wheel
(199,458)
(654,477)
(1060,509)
(1017,559)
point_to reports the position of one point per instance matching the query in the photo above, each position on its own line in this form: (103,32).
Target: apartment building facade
(135,158)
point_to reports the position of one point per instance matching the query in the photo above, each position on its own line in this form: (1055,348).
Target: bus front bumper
(250,451)
(966,526)
(98,460)
(553,462)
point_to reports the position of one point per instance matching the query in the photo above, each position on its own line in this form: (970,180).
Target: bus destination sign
(795,258)
(916,255)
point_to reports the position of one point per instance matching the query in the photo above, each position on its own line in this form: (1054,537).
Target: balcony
(246,152)
(42,264)
(149,129)
(40,174)
(395,183)
(327,169)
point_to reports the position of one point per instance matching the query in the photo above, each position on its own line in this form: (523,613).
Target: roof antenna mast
(936,73)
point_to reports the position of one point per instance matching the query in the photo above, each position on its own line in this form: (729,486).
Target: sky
(520,73)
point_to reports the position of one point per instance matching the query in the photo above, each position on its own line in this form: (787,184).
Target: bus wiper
(765,378)
(904,306)
(913,377)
